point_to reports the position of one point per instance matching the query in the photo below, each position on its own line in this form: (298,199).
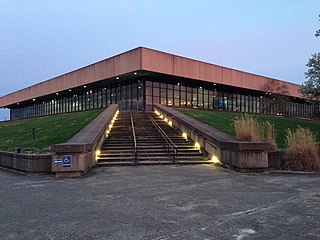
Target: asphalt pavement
(160,202)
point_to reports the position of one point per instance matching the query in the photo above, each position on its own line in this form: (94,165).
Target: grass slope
(49,130)
(223,121)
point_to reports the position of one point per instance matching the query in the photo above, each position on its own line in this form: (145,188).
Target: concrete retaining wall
(80,147)
(240,155)
(26,162)
(275,158)
(80,150)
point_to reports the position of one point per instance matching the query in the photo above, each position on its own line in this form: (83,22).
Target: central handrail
(134,139)
(165,137)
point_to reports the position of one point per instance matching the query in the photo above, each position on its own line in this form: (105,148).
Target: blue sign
(57,161)
(67,161)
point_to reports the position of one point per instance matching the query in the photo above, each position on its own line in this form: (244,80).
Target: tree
(275,87)
(277,96)
(311,88)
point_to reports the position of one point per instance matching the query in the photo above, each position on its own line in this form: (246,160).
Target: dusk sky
(43,39)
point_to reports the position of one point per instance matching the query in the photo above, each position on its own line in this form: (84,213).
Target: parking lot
(160,202)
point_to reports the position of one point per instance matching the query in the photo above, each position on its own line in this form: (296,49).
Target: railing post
(167,140)
(134,140)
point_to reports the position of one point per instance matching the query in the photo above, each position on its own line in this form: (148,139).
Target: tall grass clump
(249,129)
(302,151)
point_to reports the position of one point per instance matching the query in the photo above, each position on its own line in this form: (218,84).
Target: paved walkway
(160,202)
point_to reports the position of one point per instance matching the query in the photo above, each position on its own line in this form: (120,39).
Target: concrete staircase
(118,149)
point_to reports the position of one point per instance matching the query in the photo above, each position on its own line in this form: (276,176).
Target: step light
(215,160)
(111,123)
(107,133)
(185,136)
(197,146)
(170,123)
(166,119)
(98,152)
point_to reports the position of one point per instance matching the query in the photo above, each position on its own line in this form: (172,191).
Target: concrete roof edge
(72,71)
(213,64)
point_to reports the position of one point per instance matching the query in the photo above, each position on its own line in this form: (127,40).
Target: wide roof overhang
(143,60)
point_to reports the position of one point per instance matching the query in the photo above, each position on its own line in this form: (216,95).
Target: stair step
(118,148)
(150,155)
(143,163)
(186,150)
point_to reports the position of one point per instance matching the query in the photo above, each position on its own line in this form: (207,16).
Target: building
(141,77)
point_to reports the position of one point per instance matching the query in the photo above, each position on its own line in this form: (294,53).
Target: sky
(43,39)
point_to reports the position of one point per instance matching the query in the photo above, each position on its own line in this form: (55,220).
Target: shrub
(302,151)
(248,128)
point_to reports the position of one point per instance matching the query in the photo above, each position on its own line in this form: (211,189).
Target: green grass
(49,130)
(223,121)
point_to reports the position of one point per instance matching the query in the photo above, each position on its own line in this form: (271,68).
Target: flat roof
(146,59)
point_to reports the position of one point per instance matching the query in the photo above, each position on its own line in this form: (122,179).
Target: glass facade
(129,95)
(141,94)
(217,98)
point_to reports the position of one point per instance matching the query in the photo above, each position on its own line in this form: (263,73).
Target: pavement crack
(237,215)
(54,231)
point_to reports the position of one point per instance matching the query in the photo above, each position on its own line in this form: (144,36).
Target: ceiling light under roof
(117,78)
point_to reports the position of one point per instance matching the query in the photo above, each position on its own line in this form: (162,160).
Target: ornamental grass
(302,151)
(249,129)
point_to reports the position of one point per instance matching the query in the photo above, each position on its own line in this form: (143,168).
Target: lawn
(48,130)
(223,121)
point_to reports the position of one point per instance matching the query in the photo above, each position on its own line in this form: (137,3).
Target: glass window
(108,97)
(163,94)
(206,98)
(118,93)
(104,97)
(170,95)
(113,94)
(194,97)
(200,97)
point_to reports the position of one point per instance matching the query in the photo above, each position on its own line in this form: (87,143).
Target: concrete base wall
(239,155)
(26,162)
(246,161)
(81,149)
(275,158)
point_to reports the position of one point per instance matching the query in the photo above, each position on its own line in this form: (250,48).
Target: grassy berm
(223,121)
(49,130)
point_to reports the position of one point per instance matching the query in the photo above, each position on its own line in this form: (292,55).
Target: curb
(294,172)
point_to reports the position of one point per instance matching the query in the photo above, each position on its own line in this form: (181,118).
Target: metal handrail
(165,137)
(134,139)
